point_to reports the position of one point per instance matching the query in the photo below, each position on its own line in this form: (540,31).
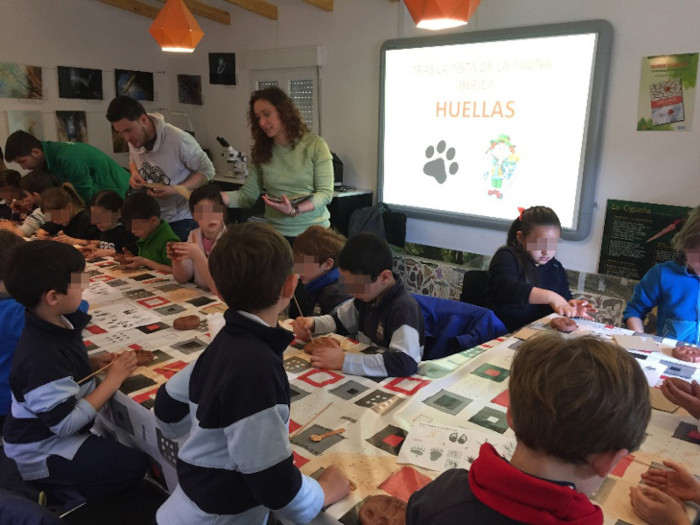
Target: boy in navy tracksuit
(47,432)
(237,462)
(383,313)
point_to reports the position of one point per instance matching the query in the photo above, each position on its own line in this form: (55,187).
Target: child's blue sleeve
(399,360)
(59,404)
(646,295)
(172,405)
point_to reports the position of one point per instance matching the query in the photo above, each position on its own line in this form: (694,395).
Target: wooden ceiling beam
(134,6)
(259,7)
(206,11)
(326,5)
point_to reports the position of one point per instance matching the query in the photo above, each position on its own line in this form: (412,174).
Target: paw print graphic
(417,450)
(440,162)
(435,454)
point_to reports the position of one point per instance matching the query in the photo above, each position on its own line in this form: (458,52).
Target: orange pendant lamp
(441,14)
(175,29)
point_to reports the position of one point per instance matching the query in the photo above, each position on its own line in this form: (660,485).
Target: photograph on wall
(78,82)
(637,235)
(189,89)
(134,84)
(29,121)
(71,126)
(222,68)
(119,145)
(20,81)
(667,92)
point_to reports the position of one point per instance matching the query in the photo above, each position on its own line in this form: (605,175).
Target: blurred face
(209,216)
(693,258)
(309,268)
(135,132)
(103,219)
(79,281)
(269,121)
(33,161)
(142,228)
(361,287)
(61,217)
(540,243)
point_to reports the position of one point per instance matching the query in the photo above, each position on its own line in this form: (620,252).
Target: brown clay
(383,510)
(687,353)
(563,324)
(186,322)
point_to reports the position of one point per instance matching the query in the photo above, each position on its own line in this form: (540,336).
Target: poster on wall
(78,82)
(667,92)
(71,126)
(637,235)
(222,68)
(20,81)
(189,89)
(29,121)
(134,84)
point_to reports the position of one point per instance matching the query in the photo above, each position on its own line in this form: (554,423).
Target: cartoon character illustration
(502,162)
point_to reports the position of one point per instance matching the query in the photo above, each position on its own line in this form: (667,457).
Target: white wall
(657,167)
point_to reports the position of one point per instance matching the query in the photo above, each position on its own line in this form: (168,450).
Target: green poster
(667,92)
(637,235)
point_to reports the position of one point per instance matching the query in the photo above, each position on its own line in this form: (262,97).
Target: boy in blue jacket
(673,286)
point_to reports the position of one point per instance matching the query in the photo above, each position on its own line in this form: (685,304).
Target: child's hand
(583,308)
(122,367)
(686,395)
(178,251)
(561,305)
(131,263)
(334,484)
(328,357)
(67,239)
(303,327)
(656,507)
(678,482)
(102,360)
(42,234)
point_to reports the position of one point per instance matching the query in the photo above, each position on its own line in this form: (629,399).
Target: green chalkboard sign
(637,236)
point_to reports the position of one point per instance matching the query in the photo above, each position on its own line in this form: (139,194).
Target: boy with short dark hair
(577,406)
(141,215)
(316,253)
(383,313)
(237,463)
(47,432)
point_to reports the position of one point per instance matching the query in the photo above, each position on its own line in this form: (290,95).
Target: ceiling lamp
(441,14)
(175,29)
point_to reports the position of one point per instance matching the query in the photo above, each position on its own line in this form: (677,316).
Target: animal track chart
(437,447)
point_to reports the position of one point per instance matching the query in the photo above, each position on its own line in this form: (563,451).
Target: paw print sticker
(440,162)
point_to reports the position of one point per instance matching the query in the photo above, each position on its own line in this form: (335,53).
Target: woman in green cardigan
(288,161)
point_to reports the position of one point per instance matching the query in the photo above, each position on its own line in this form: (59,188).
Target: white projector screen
(474,126)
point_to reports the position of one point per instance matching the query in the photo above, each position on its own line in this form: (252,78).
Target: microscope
(236,161)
